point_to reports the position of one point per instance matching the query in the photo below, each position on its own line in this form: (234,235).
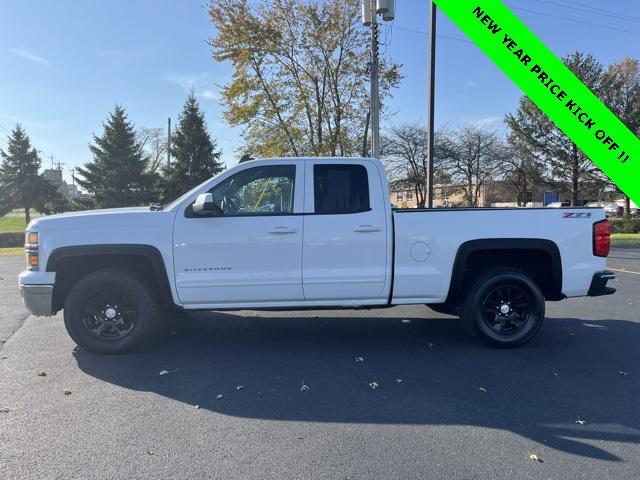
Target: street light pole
(431,106)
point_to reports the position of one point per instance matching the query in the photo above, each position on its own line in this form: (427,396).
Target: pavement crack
(21,323)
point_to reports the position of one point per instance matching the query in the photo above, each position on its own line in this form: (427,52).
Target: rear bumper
(599,284)
(38,299)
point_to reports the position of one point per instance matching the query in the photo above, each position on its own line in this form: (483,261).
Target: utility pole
(431,106)
(374,96)
(370,11)
(52,158)
(169,141)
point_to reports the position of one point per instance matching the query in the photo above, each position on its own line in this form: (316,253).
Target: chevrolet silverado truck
(308,233)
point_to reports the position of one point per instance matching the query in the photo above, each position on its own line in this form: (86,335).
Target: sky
(64,64)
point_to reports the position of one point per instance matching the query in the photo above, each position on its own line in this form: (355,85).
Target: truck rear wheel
(504,308)
(110,311)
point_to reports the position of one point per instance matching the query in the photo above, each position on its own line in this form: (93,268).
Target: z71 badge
(576,215)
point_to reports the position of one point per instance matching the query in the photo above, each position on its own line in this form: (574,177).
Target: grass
(5,252)
(12,223)
(625,238)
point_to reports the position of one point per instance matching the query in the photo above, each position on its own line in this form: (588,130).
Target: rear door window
(340,189)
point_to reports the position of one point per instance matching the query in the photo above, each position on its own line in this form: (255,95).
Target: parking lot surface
(231,404)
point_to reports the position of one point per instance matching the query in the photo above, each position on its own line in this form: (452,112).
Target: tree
(300,73)
(621,93)
(118,176)
(20,184)
(194,153)
(532,131)
(405,155)
(474,160)
(50,200)
(154,143)
(522,171)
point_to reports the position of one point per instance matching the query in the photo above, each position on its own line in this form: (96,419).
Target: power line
(597,25)
(423,32)
(602,10)
(558,17)
(6,132)
(593,11)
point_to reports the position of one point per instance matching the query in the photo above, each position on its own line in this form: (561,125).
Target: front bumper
(599,284)
(38,299)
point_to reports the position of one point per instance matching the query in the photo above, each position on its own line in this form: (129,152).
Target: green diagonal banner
(545,79)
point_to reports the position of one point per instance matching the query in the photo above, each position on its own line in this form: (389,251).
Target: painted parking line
(625,271)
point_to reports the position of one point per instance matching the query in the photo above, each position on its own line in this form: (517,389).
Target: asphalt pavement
(230,403)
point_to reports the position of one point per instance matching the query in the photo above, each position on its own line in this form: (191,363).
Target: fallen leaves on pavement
(41,373)
(305,388)
(535,458)
(482,389)
(67,391)
(374,385)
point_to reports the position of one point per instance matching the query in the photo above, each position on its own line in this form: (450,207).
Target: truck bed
(427,242)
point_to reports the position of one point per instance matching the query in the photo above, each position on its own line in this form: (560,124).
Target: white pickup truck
(289,233)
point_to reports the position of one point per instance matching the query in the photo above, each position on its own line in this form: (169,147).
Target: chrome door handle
(367,228)
(282,230)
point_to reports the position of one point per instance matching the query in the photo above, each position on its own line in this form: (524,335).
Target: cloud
(200,83)
(32,57)
(50,125)
(208,94)
(485,122)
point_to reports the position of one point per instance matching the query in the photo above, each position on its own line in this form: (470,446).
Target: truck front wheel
(504,308)
(110,311)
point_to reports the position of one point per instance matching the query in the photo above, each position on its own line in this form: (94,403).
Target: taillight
(601,238)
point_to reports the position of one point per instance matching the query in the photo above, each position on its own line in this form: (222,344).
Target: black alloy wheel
(504,308)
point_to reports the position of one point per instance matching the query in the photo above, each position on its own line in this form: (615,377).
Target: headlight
(31,238)
(31,241)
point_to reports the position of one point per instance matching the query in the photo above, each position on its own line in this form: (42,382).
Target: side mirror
(204,205)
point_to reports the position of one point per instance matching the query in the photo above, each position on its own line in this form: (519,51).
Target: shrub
(625,225)
(11,239)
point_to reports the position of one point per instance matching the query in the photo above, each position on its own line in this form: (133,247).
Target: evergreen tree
(621,93)
(533,132)
(194,153)
(118,176)
(20,184)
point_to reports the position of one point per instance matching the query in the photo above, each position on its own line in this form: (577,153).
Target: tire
(504,308)
(95,321)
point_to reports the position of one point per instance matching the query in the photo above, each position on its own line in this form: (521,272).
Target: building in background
(54,176)
(445,195)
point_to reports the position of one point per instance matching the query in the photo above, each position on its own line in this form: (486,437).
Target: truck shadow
(428,371)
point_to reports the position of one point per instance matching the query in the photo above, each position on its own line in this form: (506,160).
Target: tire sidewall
(133,287)
(474,314)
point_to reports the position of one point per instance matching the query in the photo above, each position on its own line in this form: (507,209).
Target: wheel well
(71,269)
(540,261)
